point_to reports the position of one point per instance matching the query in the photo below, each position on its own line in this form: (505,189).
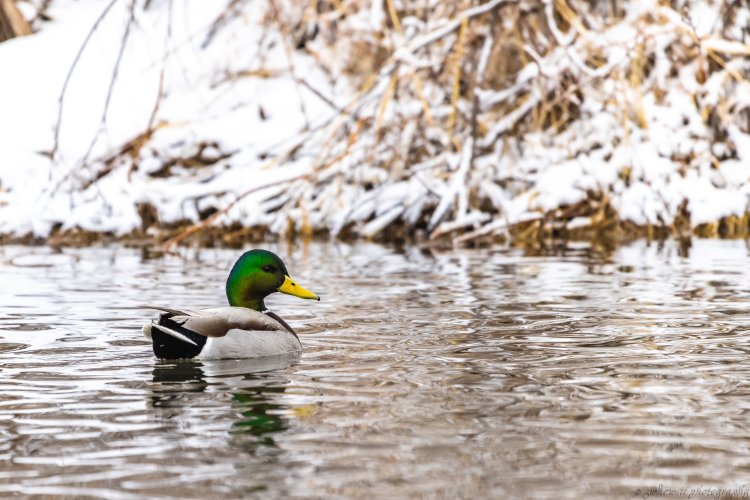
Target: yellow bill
(293,288)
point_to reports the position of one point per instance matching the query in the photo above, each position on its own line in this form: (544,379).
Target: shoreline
(528,234)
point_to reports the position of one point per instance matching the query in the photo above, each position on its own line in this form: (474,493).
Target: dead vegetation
(460,107)
(448,89)
(12,22)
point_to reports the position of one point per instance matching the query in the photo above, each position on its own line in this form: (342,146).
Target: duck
(244,329)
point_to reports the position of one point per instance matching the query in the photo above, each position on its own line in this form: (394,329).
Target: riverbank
(461,125)
(532,234)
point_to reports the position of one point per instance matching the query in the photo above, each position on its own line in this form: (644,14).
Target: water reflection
(172,379)
(258,416)
(480,373)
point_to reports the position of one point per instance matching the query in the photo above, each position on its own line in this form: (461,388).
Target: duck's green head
(256,275)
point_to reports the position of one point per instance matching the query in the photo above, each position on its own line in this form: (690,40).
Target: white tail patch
(173,333)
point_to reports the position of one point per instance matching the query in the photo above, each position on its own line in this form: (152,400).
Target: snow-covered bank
(362,116)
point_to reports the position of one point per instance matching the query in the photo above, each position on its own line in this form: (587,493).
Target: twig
(200,226)
(77,58)
(290,61)
(484,58)
(489,99)
(492,228)
(562,40)
(160,94)
(511,119)
(456,184)
(426,39)
(394,16)
(229,13)
(455,91)
(208,221)
(113,80)
(102,123)
(384,102)
(470,219)
(321,96)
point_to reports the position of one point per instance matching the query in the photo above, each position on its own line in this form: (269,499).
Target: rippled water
(471,373)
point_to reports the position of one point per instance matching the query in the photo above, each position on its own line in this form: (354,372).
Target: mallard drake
(245,329)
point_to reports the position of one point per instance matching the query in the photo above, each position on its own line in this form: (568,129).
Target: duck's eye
(269,269)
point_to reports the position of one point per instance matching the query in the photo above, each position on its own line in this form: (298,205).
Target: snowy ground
(229,123)
(195,106)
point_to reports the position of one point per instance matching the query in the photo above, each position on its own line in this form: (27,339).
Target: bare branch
(160,92)
(77,58)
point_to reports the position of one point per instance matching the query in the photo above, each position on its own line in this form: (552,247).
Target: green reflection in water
(260,417)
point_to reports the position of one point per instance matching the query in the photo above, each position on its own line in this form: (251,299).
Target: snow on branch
(462,121)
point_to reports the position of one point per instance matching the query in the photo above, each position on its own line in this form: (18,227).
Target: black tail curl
(168,347)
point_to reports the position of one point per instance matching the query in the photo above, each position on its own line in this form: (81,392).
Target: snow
(197,108)
(244,118)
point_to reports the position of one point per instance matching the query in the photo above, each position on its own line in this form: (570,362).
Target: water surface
(476,373)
